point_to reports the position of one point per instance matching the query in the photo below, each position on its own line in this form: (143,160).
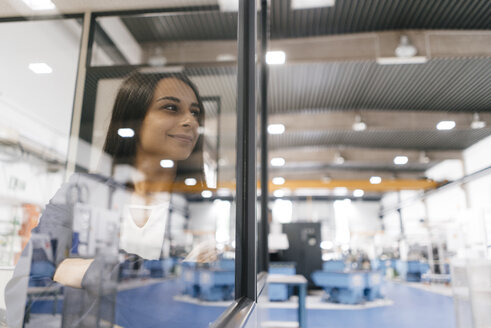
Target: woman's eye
(196,113)
(170,107)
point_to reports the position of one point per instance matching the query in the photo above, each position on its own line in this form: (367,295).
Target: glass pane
(38,65)
(160,132)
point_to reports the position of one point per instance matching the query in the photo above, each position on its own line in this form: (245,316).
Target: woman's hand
(204,252)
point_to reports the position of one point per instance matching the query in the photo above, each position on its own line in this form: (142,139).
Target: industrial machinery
(304,248)
(412,270)
(347,286)
(281,292)
(209,282)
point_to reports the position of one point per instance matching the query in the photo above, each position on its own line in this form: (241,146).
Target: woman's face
(170,127)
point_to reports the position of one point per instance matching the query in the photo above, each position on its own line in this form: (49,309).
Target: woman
(163,112)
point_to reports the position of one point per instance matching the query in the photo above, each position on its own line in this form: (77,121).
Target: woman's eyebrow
(195,105)
(169,98)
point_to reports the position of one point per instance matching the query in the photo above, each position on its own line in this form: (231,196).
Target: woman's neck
(154,178)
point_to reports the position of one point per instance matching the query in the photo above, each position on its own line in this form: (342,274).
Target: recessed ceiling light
(126,132)
(400,160)
(190,182)
(276,128)
(275,57)
(206,194)
(278,180)
(445,125)
(358,193)
(40,68)
(375,180)
(278,161)
(40,4)
(167,163)
(308,4)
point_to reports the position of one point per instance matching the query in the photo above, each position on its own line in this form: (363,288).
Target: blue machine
(216,285)
(190,279)
(214,282)
(281,292)
(411,270)
(159,268)
(341,287)
(373,284)
(345,286)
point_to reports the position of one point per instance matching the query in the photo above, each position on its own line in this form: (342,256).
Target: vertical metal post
(245,256)
(264,225)
(84,54)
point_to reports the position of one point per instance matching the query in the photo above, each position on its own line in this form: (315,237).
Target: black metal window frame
(248,284)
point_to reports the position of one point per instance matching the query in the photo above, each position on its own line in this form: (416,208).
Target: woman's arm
(70,272)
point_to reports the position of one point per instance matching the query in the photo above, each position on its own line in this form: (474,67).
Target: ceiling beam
(350,184)
(396,120)
(344,47)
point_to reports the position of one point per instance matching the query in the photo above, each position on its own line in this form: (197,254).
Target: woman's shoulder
(85,188)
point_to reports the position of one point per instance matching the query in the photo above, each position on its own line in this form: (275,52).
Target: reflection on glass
(144,230)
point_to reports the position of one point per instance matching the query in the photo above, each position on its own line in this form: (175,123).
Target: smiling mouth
(182,138)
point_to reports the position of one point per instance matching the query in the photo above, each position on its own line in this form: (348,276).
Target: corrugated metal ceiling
(449,85)
(347,16)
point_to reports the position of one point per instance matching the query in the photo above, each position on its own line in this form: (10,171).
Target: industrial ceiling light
(167,163)
(276,129)
(308,4)
(206,194)
(338,159)
(405,48)
(278,161)
(405,53)
(359,125)
(400,160)
(275,57)
(278,181)
(423,158)
(358,193)
(445,125)
(40,68)
(157,58)
(375,180)
(477,123)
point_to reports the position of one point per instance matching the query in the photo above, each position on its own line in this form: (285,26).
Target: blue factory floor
(153,306)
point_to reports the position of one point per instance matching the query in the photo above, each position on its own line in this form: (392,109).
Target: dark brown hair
(132,103)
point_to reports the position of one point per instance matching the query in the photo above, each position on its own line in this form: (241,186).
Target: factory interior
(336,168)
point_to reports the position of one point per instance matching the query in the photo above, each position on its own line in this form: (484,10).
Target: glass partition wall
(155,223)
(38,65)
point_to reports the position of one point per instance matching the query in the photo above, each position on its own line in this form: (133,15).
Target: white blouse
(145,241)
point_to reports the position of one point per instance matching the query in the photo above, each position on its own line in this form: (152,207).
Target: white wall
(461,213)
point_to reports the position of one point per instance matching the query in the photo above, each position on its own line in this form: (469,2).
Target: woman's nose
(189,120)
